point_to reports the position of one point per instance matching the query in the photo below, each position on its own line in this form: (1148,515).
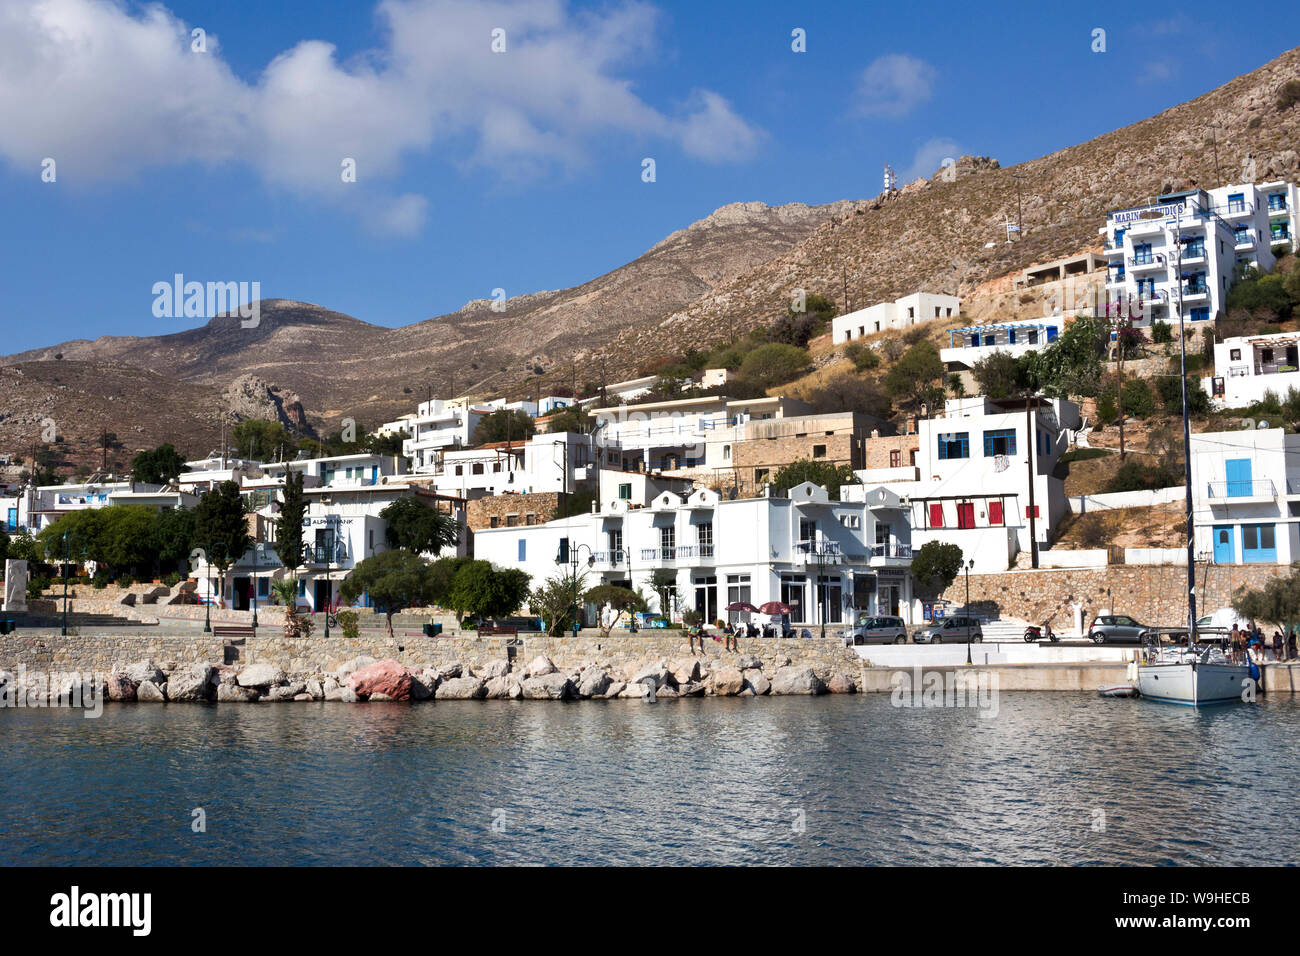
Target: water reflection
(1054,778)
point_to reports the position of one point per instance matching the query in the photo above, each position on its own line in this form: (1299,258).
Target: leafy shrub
(171,579)
(100,580)
(1091,531)
(350,622)
(1106,409)
(1083,454)
(862,356)
(1161,332)
(1289,95)
(1138,401)
(893,347)
(36,586)
(125,581)
(774,364)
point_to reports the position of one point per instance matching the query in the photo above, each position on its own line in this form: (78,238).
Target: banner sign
(1129,215)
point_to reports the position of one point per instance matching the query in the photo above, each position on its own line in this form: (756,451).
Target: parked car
(951,630)
(1116,629)
(877,630)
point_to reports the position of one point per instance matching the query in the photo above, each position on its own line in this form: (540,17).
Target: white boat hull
(1193,683)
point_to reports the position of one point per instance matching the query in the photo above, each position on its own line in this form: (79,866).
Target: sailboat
(1198,673)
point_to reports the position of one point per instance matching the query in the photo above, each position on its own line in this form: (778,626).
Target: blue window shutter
(523,549)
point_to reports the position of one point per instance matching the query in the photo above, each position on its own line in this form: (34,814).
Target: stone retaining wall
(1151,594)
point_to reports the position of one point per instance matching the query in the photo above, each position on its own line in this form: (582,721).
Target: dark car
(951,630)
(1116,629)
(877,630)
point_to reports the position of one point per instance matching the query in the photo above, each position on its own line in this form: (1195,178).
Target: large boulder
(756,682)
(120,687)
(149,692)
(693,689)
(204,672)
(385,677)
(234,694)
(448,671)
(841,684)
(797,680)
(189,687)
(594,683)
(685,670)
(283,693)
(261,675)
(315,690)
(501,688)
(341,694)
(355,664)
(142,671)
(423,685)
(615,690)
(657,672)
(461,688)
(727,682)
(540,666)
(749,663)
(499,668)
(548,687)
(636,690)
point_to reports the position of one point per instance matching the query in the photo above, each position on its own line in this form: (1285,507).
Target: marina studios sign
(1143,212)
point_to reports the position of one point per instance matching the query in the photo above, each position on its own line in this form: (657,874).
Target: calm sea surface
(1053,778)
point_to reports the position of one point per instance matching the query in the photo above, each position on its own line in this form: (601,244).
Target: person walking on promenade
(1278,642)
(1291,644)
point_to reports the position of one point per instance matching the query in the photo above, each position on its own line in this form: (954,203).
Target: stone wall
(505,511)
(877,451)
(1153,595)
(103,653)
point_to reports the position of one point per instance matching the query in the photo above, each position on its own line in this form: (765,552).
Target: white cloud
(893,85)
(930,156)
(109,94)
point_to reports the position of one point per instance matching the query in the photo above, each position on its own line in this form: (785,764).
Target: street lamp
(966,567)
(208,552)
(66,540)
(631,583)
(819,549)
(573,563)
(258,553)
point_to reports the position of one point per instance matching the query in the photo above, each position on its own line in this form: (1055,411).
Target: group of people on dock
(1247,640)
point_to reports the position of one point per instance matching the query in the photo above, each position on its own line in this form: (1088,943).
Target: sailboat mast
(1187,435)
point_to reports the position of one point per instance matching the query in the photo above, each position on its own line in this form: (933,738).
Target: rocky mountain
(732,270)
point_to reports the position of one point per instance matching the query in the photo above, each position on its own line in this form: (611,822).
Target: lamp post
(208,552)
(259,551)
(631,583)
(966,567)
(66,540)
(819,549)
(572,561)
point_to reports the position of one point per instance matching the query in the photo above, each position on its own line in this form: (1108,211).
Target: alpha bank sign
(1147,212)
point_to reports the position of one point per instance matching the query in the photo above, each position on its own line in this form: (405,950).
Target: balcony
(1277,207)
(892,554)
(1244,242)
(818,552)
(321,554)
(1280,237)
(1227,492)
(658,555)
(609,558)
(1193,292)
(1235,210)
(1146,263)
(695,553)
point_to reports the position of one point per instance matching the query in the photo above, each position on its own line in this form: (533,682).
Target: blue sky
(519,170)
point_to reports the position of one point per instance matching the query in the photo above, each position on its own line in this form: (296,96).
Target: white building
(437,425)
(35,509)
(559,461)
(1247,367)
(900,314)
(971,344)
(339,471)
(972,483)
(820,557)
(1246,496)
(1222,232)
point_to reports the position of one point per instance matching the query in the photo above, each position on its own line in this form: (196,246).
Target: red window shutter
(966,516)
(936,516)
(1035,510)
(995,512)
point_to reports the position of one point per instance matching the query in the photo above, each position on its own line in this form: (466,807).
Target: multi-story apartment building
(1220,231)
(973,343)
(972,477)
(1246,496)
(552,462)
(436,426)
(823,558)
(900,314)
(1248,367)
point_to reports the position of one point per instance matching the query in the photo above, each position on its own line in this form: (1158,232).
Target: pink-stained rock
(120,687)
(382,677)
(841,684)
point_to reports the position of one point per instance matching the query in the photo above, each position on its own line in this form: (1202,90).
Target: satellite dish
(1262,425)
(1248,423)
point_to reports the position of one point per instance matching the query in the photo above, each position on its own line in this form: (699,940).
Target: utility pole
(1214,139)
(1187,437)
(844,278)
(1020,216)
(1031,436)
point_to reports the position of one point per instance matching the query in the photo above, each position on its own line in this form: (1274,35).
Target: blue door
(1225,551)
(1238,473)
(1258,544)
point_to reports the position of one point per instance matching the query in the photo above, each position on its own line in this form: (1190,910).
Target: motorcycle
(1034,633)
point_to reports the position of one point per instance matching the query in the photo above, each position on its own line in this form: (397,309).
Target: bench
(233,630)
(508,630)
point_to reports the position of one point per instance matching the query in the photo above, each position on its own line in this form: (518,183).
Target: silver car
(951,630)
(877,630)
(1116,629)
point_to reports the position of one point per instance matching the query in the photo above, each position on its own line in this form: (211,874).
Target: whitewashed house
(971,344)
(900,314)
(436,426)
(1246,496)
(817,555)
(555,461)
(1248,367)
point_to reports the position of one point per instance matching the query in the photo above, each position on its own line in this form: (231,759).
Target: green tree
(774,364)
(84,531)
(935,566)
(394,580)
(664,584)
(823,473)
(386,443)
(483,590)
(1276,602)
(1072,365)
(554,601)
(505,424)
(288,524)
(419,528)
(221,525)
(126,537)
(914,379)
(172,537)
(1000,375)
(259,439)
(442,575)
(570,419)
(157,466)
